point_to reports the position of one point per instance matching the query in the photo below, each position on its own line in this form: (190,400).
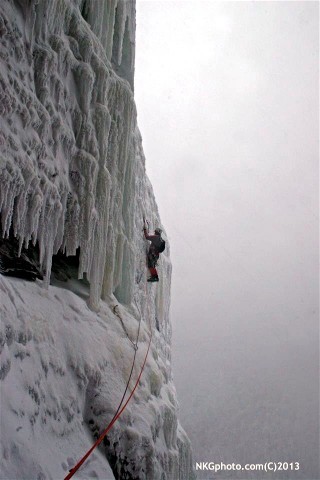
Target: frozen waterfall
(73,186)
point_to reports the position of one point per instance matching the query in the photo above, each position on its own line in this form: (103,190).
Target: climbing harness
(119,409)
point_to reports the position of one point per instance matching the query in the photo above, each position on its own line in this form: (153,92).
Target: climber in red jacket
(157,246)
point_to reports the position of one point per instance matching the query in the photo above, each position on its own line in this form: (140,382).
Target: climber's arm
(147,236)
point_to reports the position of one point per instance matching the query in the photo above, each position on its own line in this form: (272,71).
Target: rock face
(73,191)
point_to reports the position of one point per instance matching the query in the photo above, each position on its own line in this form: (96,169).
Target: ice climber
(157,246)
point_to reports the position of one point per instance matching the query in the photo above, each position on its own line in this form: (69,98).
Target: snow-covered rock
(73,186)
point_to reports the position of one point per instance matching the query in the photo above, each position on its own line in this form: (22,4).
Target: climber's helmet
(158,231)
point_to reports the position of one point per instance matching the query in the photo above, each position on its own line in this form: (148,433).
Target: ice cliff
(73,191)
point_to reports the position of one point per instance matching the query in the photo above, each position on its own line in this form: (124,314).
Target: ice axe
(145,223)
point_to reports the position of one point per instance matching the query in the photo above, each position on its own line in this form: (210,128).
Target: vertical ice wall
(69,140)
(72,173)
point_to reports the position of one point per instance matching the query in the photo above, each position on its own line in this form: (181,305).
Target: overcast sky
(227,98)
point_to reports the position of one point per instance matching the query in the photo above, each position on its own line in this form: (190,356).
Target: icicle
(72,174)
(70,180)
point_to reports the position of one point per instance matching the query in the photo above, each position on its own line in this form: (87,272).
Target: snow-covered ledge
(73,183)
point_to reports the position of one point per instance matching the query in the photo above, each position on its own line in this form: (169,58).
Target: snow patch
(64,370)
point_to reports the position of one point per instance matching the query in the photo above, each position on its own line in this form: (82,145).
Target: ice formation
(72,167)
(63,370)
(73,182)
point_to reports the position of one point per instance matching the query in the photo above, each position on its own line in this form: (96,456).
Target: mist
(228,107)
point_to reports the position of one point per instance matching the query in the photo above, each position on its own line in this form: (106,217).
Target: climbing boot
(154,278)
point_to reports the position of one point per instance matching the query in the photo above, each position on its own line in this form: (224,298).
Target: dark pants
(152,259)
(152,262)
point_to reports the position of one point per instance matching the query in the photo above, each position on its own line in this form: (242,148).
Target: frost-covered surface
(63,371)
(72,178)
(70,148)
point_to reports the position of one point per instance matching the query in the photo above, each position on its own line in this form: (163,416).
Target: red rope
(104,433)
